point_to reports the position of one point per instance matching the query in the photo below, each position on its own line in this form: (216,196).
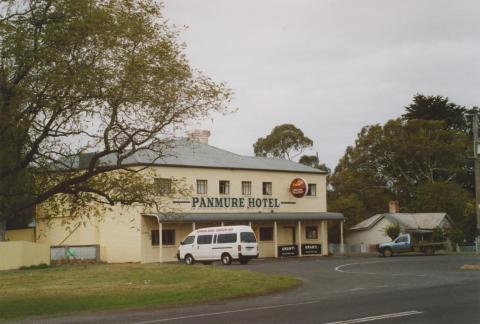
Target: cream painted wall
(54,232)
(124,234)
(375,235)
(280,185)
(16,254)
(25,234)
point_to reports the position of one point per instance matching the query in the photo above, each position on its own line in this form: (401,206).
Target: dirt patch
(471,267)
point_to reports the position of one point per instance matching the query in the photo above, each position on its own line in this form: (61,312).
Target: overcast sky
(329,67)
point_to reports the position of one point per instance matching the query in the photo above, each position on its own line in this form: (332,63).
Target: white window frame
(246,188)
(226,187)
(202,187)
(265,190)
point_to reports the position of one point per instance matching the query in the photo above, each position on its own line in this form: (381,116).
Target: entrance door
(290,235)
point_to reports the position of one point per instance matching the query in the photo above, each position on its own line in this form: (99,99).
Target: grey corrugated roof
(187,153)
(211,217)
(408,221)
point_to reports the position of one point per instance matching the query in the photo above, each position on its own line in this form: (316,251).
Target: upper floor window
(312,189)
(267,188)
(201,186)
(246,187)
(224,187)
(163,186)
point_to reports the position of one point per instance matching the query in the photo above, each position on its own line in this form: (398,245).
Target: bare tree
(107,78)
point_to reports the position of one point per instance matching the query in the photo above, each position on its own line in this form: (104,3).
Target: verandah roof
(226,217)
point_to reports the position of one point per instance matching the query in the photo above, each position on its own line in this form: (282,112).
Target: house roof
(409,221)
(188,153)
(210,217)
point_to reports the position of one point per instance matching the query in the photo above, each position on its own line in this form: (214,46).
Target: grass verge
(67,289)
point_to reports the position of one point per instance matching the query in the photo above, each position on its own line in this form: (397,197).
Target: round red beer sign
(298,187)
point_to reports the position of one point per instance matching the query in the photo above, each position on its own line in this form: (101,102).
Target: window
(247,237)
(224,187)
(246,187)
(402,239)
(227,238)
(189,240)
(266,233)
(312,189)
(168,237)
(204,239)
(267,188)
(163,186)
(311,232)
(155,238)
(201,186)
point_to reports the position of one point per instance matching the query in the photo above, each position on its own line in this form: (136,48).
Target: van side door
(225,243)
(204,247)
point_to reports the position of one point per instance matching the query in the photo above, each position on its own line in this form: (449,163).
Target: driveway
(401,289)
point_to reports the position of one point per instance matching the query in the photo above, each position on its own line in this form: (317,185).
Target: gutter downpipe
(160,247)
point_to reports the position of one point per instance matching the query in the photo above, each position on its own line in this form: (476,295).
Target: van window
(247,237)
(189,240)
(227,238)
(204,239)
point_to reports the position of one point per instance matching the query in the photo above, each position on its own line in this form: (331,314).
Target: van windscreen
(189,240)
(247,237)
(227,238)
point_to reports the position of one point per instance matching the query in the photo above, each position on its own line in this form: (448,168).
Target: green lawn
(65,289)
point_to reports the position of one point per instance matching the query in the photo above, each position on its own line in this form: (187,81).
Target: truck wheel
(226,259)
(387,253)
(189,259)
(429,251)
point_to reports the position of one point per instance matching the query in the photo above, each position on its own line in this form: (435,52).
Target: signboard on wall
(287,250)
(234,202)
(311,249)
(298,187)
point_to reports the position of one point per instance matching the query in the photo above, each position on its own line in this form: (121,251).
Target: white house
(372,230)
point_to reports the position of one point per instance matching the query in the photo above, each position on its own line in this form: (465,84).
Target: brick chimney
(199,135)
(393,207)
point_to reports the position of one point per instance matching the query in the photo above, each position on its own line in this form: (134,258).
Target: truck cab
(408,243)
(401,244)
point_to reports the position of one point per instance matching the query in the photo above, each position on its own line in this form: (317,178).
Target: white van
(224,243)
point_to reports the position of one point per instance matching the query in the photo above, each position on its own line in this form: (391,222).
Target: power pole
(476,145)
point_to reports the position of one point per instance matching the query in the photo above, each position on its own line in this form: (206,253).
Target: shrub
(392,230)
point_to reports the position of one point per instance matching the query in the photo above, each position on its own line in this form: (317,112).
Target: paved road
(402,289)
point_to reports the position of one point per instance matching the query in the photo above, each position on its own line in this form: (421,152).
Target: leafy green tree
(422,160)
(312,161)
(285,141)
(438,108)
(392,231)
(446,197)
(389,163)
(104,77)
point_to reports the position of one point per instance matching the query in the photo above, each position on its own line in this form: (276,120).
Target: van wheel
(387,253)
(226,259)
(189,259)
(244,261)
